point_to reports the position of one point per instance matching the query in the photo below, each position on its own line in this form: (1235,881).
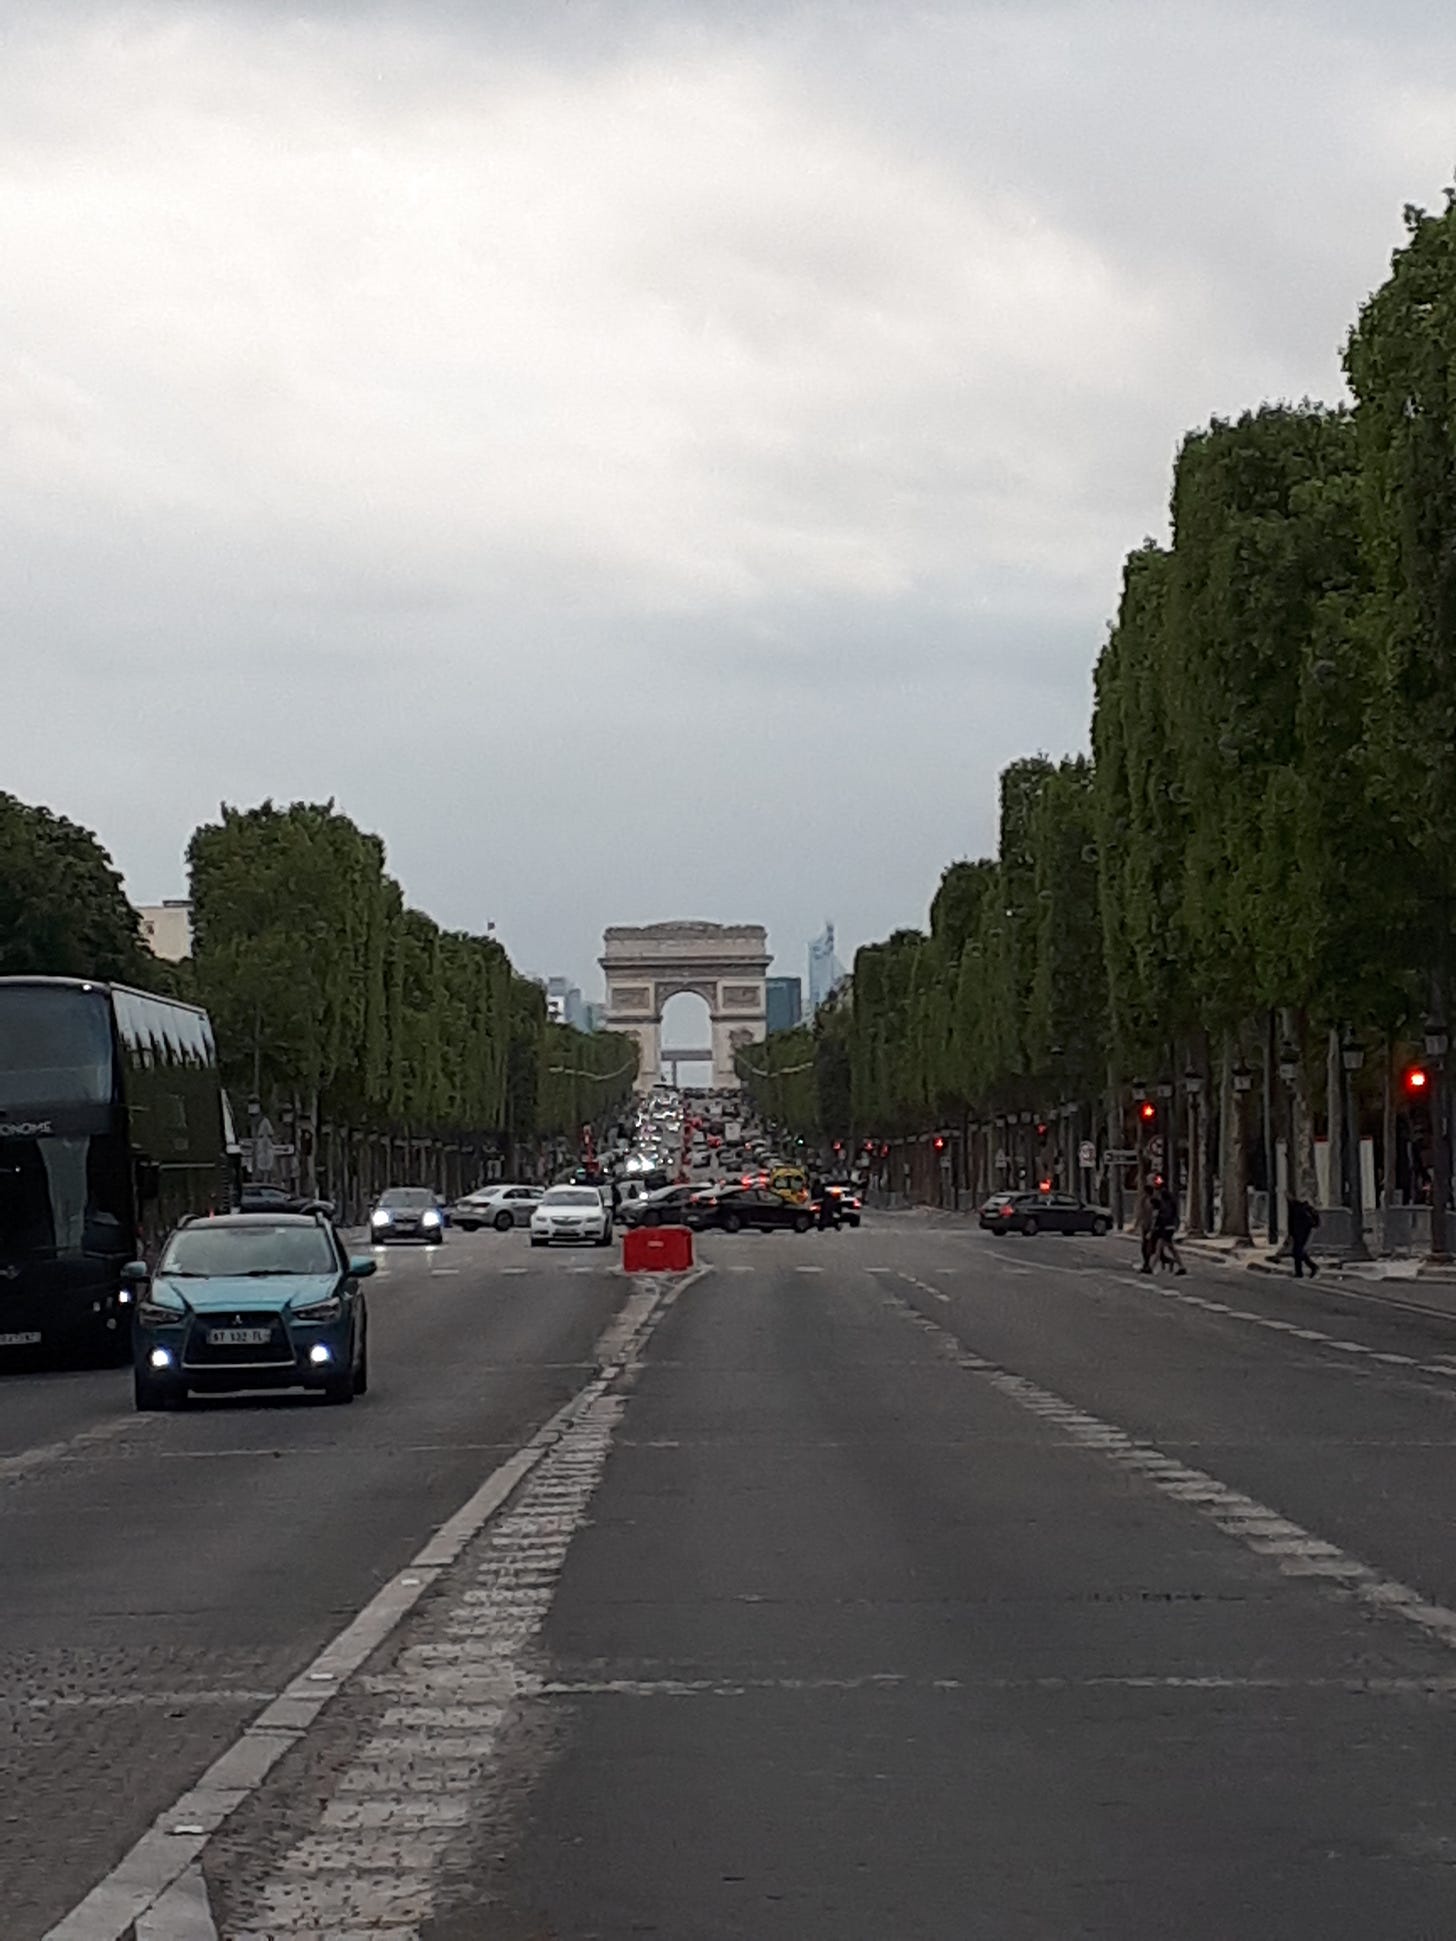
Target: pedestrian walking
(1147,1226)
(1165,1225)
(1302,1221)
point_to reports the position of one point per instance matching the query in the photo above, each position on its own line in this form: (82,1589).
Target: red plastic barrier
(669,1249)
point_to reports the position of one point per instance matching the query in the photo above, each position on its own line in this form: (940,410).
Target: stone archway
(725,963)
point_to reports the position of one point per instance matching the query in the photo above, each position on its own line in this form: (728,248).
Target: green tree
(63,912)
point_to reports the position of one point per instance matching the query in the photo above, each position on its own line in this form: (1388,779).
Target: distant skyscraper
(783,1002)
(565,1004)
(825,969)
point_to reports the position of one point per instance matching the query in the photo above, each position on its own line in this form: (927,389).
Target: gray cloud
(698,443)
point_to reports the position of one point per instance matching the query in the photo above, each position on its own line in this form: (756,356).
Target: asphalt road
(902,1583)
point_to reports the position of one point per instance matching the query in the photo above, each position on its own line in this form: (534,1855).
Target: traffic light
(939,1143)
(1416,1081)
(1041,1128)
(1147,1110)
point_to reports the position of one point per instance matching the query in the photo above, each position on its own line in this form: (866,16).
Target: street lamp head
(1289,1064)
(1139,1091)
(1438,1041)
(1243,1077)
(1352,1055)
(1193,1083)
(1165,1088)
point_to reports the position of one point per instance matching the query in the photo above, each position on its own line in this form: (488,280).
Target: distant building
(784,1002)
(596,1016)
(167,928)
(826,973)
(565,1003)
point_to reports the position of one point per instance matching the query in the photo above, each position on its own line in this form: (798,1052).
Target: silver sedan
(502,1207)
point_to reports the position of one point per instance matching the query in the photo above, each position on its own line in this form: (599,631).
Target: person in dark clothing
(1165,1225)
(1147,1227)
(1302,1222)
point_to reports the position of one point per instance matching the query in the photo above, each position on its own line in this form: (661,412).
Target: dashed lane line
(1319,1337)
(173,1846)
(1293,1550)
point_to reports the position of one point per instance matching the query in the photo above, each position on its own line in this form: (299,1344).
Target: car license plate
(240,1337)
(28,1338)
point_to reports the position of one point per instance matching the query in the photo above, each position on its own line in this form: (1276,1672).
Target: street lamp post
(1193,1091)
(1243,1083)
(1289,1074)
(1352,1057)
(1139,1095)
(1438,1043)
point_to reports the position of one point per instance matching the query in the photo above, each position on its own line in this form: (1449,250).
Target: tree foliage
(63,912)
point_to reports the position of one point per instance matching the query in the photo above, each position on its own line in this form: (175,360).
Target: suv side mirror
(134,1273)
(361,1267)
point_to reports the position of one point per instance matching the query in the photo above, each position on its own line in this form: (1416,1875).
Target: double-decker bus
(113,1126)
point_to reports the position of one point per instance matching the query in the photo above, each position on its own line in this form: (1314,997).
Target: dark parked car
(758,1207)
(666,1208)
(259,1197)
(1042,1213)
(851,1202)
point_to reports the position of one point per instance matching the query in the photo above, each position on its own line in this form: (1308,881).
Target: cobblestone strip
(426,1772)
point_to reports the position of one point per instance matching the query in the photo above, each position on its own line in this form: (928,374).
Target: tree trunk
(1233,1158)
(1335,1118)
(1387,1142)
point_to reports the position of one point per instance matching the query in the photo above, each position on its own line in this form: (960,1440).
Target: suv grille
(200,1352)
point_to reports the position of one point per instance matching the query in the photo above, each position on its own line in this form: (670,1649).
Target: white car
(501,1207)
(576,1213)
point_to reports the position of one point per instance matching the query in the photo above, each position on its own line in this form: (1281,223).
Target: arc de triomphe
(725,963)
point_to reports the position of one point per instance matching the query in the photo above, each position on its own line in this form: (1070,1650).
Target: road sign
(1086,1153)
(1120,1156)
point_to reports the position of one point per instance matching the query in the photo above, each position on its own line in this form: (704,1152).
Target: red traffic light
(1147,1110)
(1041,1128)
(1417,1079)
(939,1143)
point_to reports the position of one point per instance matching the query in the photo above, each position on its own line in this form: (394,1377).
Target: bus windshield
(55,1049)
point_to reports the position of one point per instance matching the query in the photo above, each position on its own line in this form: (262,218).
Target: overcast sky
(645,461)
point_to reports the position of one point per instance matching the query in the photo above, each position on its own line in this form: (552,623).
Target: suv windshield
(213,1250)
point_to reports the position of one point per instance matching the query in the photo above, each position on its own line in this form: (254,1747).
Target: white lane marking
(739,1267)
(370,1861)
(1050,1682)
(1295,1551)
(80,1444)
(515,1270)
(176,1839)
(436,1273)
(808,1270)
(184,1913)
(133,1701)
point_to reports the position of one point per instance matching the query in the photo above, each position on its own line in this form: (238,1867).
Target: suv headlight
(161,1308)
(429,1218)
(380,1217)
(328,1309)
